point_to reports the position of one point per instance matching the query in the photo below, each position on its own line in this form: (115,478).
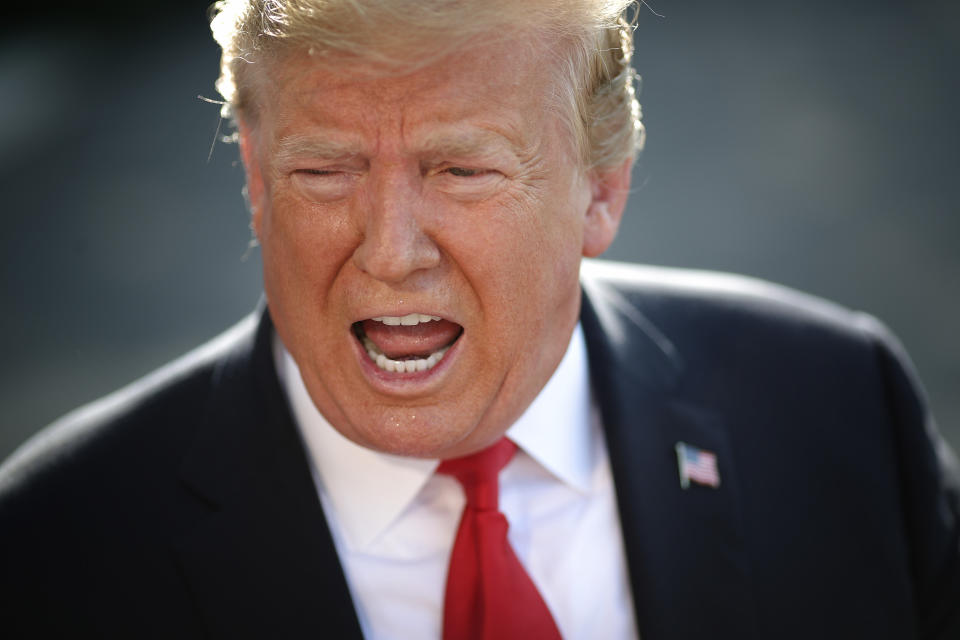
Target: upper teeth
(407,320)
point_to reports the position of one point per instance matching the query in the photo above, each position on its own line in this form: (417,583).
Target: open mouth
(406,344)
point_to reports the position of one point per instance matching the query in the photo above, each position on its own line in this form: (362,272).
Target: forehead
(486,85)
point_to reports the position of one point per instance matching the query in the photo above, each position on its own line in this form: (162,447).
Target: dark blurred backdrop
(810,143)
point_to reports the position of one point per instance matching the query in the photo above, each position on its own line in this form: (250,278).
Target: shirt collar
(369,490)
(555,428)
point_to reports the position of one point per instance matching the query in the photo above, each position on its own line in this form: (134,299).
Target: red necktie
(489,594)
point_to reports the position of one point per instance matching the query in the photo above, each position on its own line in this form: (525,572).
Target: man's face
(449,201)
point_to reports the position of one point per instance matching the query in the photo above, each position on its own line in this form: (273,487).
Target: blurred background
(815,144)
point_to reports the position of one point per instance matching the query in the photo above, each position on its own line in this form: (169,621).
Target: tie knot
(478,473)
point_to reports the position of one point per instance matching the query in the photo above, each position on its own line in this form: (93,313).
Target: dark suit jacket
(183,506)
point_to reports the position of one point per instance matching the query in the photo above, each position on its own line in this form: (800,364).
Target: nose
(395,244)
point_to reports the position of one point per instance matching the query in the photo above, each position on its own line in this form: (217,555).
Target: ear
(254,189)
(609,189)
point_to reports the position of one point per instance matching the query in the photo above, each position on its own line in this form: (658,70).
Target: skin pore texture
(451,192)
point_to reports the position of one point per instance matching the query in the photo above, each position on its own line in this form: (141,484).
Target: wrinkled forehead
(489,66)
(485,83)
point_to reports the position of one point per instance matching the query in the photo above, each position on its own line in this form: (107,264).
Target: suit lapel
(685,550)
(260,561)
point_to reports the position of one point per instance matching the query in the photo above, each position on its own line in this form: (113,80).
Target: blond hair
(593,38)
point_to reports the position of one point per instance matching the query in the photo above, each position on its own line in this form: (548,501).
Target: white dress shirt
(394,520)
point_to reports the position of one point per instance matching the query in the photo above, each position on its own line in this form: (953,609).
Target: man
(698,454)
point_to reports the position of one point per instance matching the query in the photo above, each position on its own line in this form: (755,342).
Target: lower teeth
(402,366)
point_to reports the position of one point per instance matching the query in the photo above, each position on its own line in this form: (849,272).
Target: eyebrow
(436,143)
(297,146)
(458,143)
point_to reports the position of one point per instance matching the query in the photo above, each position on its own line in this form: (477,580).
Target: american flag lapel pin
(697,465)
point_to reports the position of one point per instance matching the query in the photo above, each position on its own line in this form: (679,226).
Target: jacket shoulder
(756,332)
(713,313)
(117,433)
(665,289)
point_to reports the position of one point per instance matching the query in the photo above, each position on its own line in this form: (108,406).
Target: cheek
(304,247)
(522,256)
(551,259)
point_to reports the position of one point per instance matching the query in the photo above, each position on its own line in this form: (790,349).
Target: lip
(415,383)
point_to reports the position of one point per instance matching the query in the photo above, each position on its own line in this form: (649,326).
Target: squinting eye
(323,185)
(460,172)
